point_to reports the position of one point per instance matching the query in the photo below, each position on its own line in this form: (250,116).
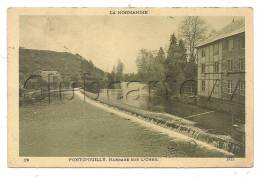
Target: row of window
(227,45)
(230,66)
(215,50)
(240,89)
(215,67)
(230,86)
(203,86)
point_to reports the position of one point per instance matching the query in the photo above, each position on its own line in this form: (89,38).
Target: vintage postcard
(130,87)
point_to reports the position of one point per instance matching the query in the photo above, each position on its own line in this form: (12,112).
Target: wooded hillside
(70,66)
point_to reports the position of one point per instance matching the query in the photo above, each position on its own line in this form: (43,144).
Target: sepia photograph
(130,87)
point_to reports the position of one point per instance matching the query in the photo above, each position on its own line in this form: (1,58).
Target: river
(75,128)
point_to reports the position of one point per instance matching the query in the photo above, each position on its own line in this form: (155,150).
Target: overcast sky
(103,39)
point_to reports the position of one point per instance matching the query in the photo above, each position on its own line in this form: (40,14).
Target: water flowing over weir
(172,125)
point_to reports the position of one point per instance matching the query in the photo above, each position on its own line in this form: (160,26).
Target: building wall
(209,76)
(228,49)
(236,75)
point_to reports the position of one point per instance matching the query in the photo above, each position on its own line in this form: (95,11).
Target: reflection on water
(137,95)
(211,122)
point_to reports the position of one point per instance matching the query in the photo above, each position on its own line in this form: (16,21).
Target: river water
(137,95)
(75,128)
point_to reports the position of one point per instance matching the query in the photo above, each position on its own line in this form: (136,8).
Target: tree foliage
(170,69)
(174,65)
(117,71)
(192,30)
(144,64)
(150,65)
(70,66)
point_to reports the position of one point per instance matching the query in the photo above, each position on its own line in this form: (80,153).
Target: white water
(149,125)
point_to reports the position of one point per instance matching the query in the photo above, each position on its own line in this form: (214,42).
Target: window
(225,45)
(215,49)
(203,67)
(229,86)
(203,85)
(242,87)
(216,66)
(230,45)
(242,64)
(203,53)
(242,42)
(229,65)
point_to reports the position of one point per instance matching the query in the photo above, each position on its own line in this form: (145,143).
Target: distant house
(51,77)
(221,64)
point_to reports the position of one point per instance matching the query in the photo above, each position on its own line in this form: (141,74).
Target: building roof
(232,29)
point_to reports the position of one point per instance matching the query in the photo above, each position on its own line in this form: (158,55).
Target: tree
(174,65)
(119,70)
(192,30)
(144,64)
(172,48)
(160,56)
(171,59)
(182,58)
(113,73)
(131,77)
(212,32)
(91,65)
(158,70)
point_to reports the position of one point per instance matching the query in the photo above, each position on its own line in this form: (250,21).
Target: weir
(177,124)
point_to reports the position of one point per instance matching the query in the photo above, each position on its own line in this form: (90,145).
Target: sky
(104,39)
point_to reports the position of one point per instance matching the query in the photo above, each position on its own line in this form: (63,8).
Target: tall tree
(182,58)
(170,62)
(192,30)
(172,48)
(160,56)
(174,65)
(144,64)
(158,69)
(119,70)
